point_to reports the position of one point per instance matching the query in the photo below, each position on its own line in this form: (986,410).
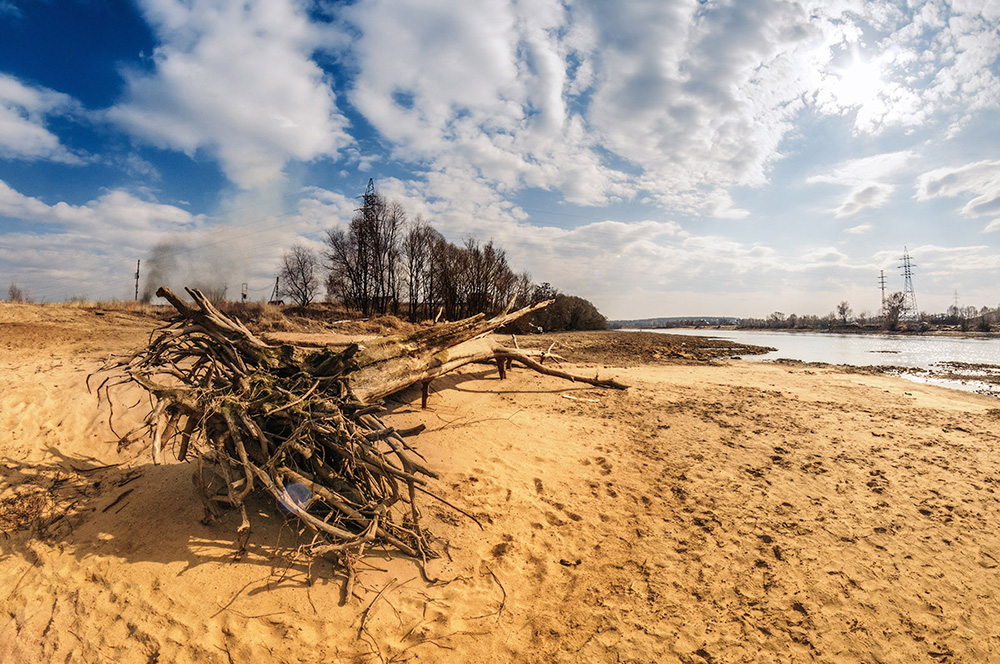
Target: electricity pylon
(910,310)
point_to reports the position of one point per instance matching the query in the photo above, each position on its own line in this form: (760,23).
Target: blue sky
(661,157)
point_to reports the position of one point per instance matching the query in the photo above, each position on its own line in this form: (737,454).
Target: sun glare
(859,83)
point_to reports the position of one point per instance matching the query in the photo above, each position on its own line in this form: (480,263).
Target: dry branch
(300,425)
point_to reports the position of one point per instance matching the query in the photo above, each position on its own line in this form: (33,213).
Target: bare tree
(390,256)
(490,278)
(523,288)
(416,252)
(450,277)
(299,274)
(895,304)
(17,294)
(776,320)
(364,259)
(844,311)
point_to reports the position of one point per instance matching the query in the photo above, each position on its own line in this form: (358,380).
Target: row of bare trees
(842,317)
(383,263)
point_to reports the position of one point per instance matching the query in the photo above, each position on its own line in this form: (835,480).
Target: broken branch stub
(299,424)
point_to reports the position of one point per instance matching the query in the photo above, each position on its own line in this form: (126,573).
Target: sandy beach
(717,511)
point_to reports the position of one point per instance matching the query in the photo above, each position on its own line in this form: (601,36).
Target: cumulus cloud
(599,103)
(114,217)
(60,250)
(864,179)
(980,179)
(23,113)
(235,80)
(478,87)
(674,101)
(937,261)
(914,64)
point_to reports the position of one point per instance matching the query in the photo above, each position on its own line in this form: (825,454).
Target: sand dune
(715,512)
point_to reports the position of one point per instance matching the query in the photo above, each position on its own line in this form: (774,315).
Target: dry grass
(318,317)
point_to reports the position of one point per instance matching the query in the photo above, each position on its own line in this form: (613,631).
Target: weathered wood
(395,373)
(520,356)
(299,424)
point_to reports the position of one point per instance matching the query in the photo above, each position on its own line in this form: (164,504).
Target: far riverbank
(951,332)
(967,363)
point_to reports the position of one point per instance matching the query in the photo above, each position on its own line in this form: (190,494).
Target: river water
(968,364)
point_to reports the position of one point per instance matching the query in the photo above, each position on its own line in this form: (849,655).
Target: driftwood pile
(301,424)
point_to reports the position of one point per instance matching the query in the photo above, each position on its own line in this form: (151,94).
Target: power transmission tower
(910,310)
(881,282)
(137,279)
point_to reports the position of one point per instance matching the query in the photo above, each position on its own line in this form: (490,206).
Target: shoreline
(955,334)
(718,510)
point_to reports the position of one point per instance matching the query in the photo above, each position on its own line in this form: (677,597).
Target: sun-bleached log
(298,424)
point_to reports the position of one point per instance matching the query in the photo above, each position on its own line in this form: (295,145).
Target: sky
(658,158)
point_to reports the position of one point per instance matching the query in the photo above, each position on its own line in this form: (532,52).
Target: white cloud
(61,250)
(478,88)
(934,260)
(540,95)
(237,81)
(113,217)
(84,249)
(914,65)
(980,179)
(23,111)
(673,100)
(988,9)
(864,179)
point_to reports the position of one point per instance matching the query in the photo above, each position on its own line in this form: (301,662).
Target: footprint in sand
(878,482)
(554,520)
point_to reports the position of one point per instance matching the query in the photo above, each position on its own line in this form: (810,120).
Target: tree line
(384,263)
(893,317)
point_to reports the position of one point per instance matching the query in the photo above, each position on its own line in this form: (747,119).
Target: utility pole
(910,310)
(137,279)
(274,293)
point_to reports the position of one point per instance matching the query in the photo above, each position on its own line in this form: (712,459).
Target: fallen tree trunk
(300,425)
(378,381)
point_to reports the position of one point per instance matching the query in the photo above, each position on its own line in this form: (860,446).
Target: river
(967,364)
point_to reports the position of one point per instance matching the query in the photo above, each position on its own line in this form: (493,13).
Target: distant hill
(676,321)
